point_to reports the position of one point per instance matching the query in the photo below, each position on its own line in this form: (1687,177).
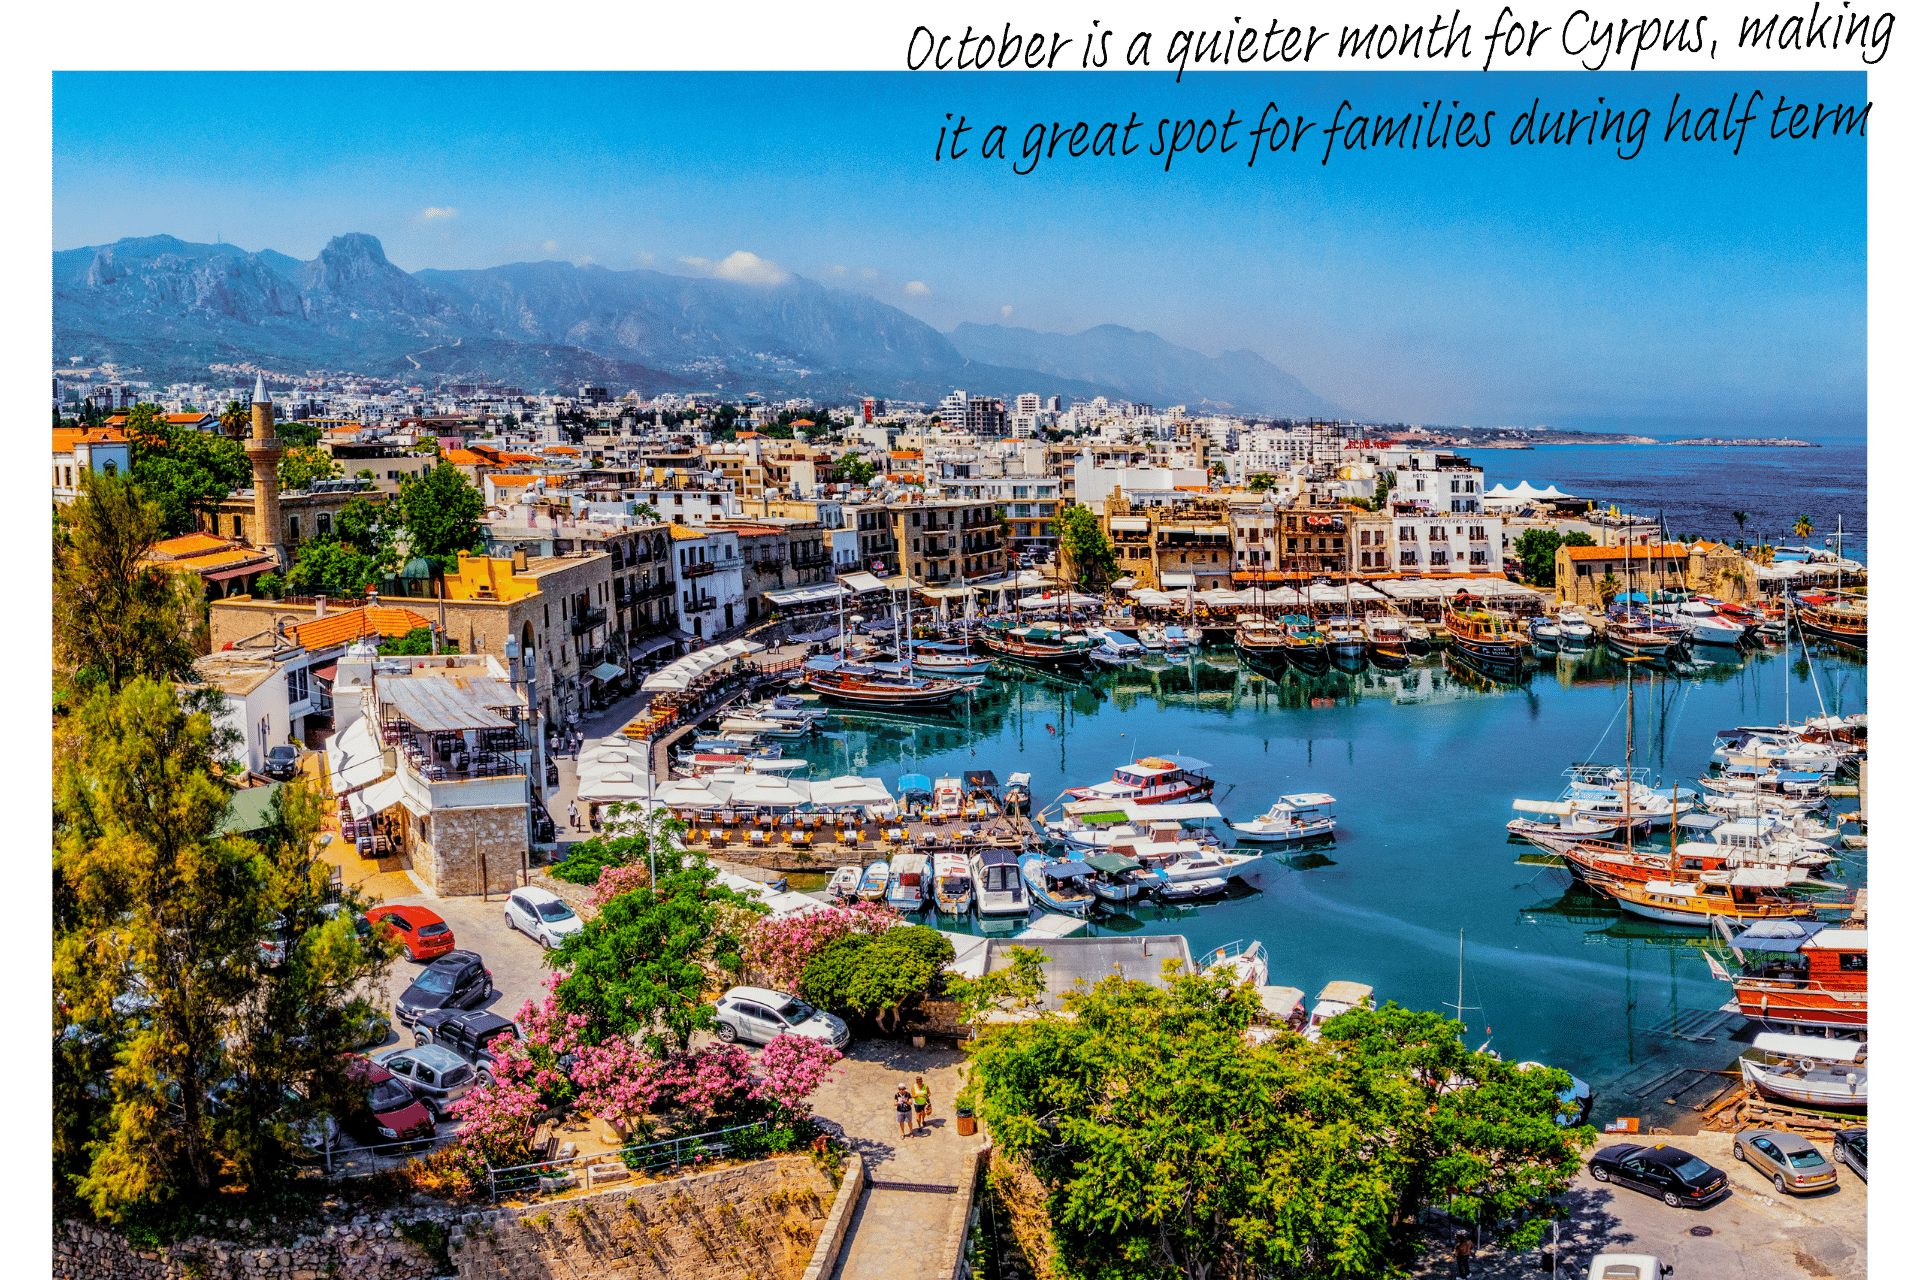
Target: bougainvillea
(615,881)
(780,948)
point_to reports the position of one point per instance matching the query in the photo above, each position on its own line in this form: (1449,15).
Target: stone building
(1711,568)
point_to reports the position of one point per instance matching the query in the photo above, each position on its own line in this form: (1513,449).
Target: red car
(424,934)
(383,1109)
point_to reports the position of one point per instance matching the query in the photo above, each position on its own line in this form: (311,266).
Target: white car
(1627,1266)
(541,915)
(760,1016)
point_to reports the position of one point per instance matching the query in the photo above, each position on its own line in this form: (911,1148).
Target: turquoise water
(1425,764)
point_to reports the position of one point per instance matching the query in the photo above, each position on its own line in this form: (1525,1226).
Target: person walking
(1462,1253)
(922,1102)
(903,1110)
(573,815)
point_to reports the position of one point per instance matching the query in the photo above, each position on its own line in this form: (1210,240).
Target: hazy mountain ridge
(170,307)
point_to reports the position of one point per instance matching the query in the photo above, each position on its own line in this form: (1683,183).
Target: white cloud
(868,273)
(1007,310)
(747,268)
(643,258)
(549,246)
(918,288)
(434,213)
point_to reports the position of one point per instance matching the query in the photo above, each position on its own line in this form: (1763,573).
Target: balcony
(586,620)
(699,604)
(658,591)
(699,570)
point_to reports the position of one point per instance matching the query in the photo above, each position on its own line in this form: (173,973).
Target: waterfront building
(1711,568)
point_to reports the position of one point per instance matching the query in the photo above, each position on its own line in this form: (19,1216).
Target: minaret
(264,452)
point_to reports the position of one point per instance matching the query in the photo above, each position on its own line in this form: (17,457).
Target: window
(112,468)
(1407,533)
(1456,489)
(1438,557)
(1409,557)
(236,526)
(1477,532)
(293,528)
(325,524)
(1853,962)
(296,687)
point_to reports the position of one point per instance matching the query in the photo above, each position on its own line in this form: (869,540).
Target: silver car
(759,1015)
(1794,1164)
(542,915)
(433,1073)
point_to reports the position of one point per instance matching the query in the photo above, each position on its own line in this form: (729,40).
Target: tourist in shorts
(903,1110)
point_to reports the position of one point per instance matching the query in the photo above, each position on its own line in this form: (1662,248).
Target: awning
(240,571)
(324,673)
(850,790)
(1176,581)
(439,705)
(1121,584)
(1127,524)
(1778,935)
(354,757)
(1784,1045)
(791,596)
(382,795)
(861,583)
(680,674)
(606,671)
(769,791)
(688,793)
(1112,863)
(623,784)
(645,647)
(911,782)
(250,809)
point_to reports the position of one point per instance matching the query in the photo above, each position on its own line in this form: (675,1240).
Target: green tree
(235,421)
(328,567)
(1608,587)
(158,927)
(853,469)
(878,974)
(188,473)
(1578,540)
(1803,527)
(441,512)
(298,435)
(115,619)
(367,527)
(1259,482)
(1169,1144)
(1537,548)
(1086,543)
(426,446)
(271,586)
(1017,988)
(301,465)
(635,969)
(1740,518)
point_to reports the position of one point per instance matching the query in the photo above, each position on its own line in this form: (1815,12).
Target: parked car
(477,1036)
(542,915)
(424,934)
(1677,1177)
(1850,1149)
(1628,1266)
(316,1134)
(435,1074)
(457,980)
(381,1109)
(1793,1163)
(282,762)
(759,1015)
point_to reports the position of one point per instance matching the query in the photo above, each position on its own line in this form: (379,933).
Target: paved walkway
(898,1234)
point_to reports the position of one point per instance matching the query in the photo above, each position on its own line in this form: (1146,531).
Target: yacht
(1574,627)
(996,883)
(1705,624)
(1607,792)
(947,660)
(907,883)
(1245,962)
(1058,886)
(1295,819)
(1153,780)
(1483,635)
(1114,648)
(952,884)
(1544,630)
(1040,644)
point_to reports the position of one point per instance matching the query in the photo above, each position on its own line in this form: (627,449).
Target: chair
(757,839)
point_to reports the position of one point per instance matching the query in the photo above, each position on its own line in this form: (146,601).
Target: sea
(1422,894)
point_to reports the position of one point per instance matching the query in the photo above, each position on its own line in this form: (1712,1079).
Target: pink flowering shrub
(781,948)
(790,1068)
(617,880)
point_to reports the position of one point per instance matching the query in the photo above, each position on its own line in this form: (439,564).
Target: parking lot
(1754,1234)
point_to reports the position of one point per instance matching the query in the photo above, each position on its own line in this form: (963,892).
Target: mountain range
(171,308)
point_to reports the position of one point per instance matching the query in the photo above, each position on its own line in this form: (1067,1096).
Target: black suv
(457,980)
(282,762)
(473,1035)
(1677,1177)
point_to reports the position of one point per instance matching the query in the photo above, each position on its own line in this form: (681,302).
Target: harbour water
(1425,764)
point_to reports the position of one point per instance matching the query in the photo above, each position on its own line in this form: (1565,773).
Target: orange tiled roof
(339,628)
(1664,551)
(191,544)
(509,481)
(64,438)
(905,455)
(465,458)
(518,457)
(186,419)
(560,448)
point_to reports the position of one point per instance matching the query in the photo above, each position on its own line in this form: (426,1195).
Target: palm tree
(1803,526)
(1740,518)
(1609,587)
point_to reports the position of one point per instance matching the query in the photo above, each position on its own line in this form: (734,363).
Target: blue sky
(1498,286)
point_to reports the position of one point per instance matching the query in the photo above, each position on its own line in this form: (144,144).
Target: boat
(1387,639)
(1335,999)
(1345,637)
(1781,747)
(1152,780)
(1544,631)
(1789,788)
(1419,635)
(1058,886)
(1799,973)
(1175,868)
(1578,1094)
(1259,641)
(1114,648)
(1119,878)
(1480,634)
(1040,644)
(1191,890)
(907,883)
(873,882)
(1305,644)
(1613,793)
(1180,639)
(1245,962)
(1294,819)
(952,883)
(946,660)
(1843,621)
(1567,824)
(1634,633)
(1751,893)
(1019,792)
(1811,1071)
(996,883)
(1706,625)
(1573,625)
(1099,824)
(1153,638)
(948,794)
(863,685)
(845,883)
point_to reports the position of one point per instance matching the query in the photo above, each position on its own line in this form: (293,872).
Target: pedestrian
(903,1111)
(573,815)
(922,1102)
(1462,1253)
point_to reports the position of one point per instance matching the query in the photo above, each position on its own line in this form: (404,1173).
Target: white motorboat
(1181,640)
(997,890)
(1294,819)
(1245,962)
(1420,634)
(1117,877)
(1114,648)
(1705,625)
(1195,866)
(952,883)
(907,883)
(1335,999)
(1189,890)
(1153,637)
(948,660)
(1566,824)
(1573,625)
(1605,793)
(1544,631)
(1810,1070)
(845,883)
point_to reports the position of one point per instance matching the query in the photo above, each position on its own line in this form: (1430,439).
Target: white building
(709,576)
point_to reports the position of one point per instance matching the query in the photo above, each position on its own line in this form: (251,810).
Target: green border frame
(761,35)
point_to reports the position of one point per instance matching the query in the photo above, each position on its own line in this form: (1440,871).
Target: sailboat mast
(1460,986)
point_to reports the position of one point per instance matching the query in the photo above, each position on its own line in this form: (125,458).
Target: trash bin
(963,1121)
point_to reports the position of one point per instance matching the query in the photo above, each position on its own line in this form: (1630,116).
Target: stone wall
(763,1219)
(452,862)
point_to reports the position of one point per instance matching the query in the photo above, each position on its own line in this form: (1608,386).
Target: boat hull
(1303,833)
(1821,1087)
(885,699)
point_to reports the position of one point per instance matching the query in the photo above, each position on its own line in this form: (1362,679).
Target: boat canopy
(981,778)
(1019,779)
(1785,1045)
(1065,870)
(1307,800)
(1112,863)
(995,856)
(1778,935)
(1280,1003)
(1345,992)
(1094,811)
(1761,878)
(1194,812)
(1172,762)
(911,782)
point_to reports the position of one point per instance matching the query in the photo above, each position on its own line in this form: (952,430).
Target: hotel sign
(1325,524)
